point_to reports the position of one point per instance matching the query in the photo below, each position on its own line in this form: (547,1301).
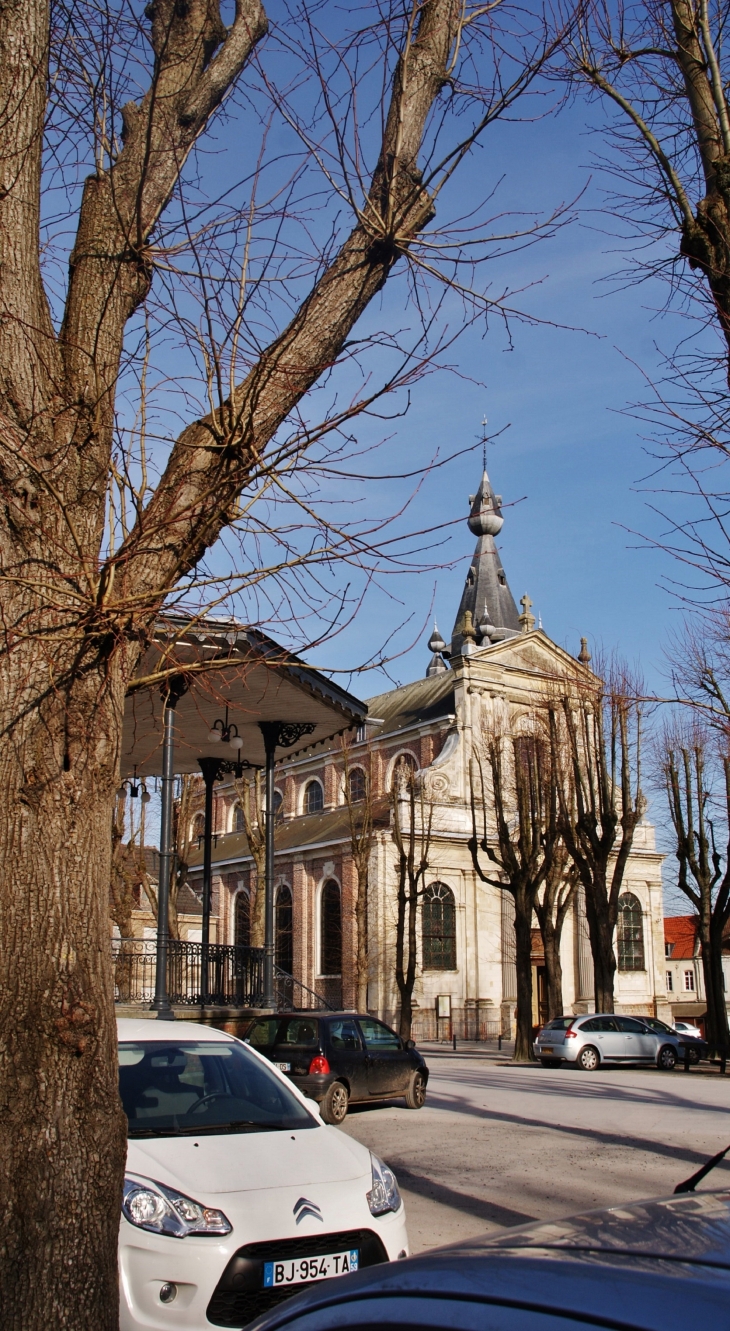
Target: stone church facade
(497,665)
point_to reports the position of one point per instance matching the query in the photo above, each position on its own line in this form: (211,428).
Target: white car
(236,1193)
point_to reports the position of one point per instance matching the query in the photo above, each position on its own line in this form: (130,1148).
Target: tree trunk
(361,925)
(59,1103)
(258,901)
(716,1024)
(601,930)
(524,1052)
(553,969)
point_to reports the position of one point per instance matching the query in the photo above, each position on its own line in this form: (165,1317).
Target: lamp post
(211,769)
(176,687)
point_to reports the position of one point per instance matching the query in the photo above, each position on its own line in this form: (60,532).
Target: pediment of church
(533,652)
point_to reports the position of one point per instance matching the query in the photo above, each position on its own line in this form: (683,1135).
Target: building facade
(494,671)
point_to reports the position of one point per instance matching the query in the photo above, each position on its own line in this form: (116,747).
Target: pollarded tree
(602,804)
(514,788)
(697,784)
(95,538)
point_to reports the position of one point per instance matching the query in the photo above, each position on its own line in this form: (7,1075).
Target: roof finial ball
(436,642)
(584,655)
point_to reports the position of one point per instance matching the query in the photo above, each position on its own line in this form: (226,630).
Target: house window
(284,929)
(689,981)
(630,936)
(668,949)
(242,920)
(330,947)
(198,826)
(238,823)
(670,982)
(313,797)
(278,806)
(438,927)
(357,785)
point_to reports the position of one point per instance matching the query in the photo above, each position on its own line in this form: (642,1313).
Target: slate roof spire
(486,592)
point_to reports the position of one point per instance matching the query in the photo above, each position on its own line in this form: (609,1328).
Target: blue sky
(569,450)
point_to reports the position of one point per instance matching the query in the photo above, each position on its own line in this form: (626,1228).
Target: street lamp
(225,732)
(171,696)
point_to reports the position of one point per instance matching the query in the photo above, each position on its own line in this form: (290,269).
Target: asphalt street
(497,1145)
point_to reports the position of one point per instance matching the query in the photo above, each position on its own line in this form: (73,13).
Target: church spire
(486,594)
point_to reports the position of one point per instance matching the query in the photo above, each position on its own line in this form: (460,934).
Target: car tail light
(319,1064)
(571,1035)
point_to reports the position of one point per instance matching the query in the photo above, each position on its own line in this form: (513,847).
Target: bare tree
(412,833)
(601,806)
(662,71)
(696,775)
(513,783)
(96,537)
(251,796)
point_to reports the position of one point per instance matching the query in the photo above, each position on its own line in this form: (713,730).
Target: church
(497,660)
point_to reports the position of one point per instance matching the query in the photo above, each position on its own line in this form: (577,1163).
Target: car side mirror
(312,1106)
(409,1044)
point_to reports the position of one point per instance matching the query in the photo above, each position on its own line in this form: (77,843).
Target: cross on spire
(527,620)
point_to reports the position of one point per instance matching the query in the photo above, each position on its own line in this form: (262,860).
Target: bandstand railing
(235,976)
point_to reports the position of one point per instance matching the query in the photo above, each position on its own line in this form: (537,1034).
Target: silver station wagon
(602,1038)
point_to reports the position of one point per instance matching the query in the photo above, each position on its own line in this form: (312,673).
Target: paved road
(497,1145)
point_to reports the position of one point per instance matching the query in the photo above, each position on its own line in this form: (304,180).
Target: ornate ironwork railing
(235,976)
(235,973)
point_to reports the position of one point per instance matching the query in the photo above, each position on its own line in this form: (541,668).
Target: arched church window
(278,806)
(198,826)
(330,946)
(357,785)
(630,934)
(313,797)
(438,928)
(284,920)
(238,823)
(242,920)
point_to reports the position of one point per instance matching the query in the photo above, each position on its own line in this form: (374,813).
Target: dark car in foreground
(338,1058)
(651,1266)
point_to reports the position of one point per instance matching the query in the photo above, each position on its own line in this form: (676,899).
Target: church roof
(305,832)
(486,585)
(426,700)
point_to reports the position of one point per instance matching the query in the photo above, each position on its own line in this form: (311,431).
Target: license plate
(283,1067)
(545,1050)
(301,1269)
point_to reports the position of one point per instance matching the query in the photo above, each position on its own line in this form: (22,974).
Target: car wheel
(694,1056)
(334,1106)
(550,1062)
(589,1059)
(416,1093)
(666,1058)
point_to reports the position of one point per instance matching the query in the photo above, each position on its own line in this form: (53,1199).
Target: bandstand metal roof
(226,664)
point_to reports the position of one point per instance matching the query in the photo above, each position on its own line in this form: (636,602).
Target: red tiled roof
(681,932)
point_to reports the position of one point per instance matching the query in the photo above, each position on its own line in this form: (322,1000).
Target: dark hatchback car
(340,1057)
(650,1266)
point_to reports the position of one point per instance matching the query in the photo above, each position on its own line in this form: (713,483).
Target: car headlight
(162,1210)
(384,1195)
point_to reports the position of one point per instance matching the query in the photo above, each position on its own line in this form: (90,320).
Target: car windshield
(173,1088)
